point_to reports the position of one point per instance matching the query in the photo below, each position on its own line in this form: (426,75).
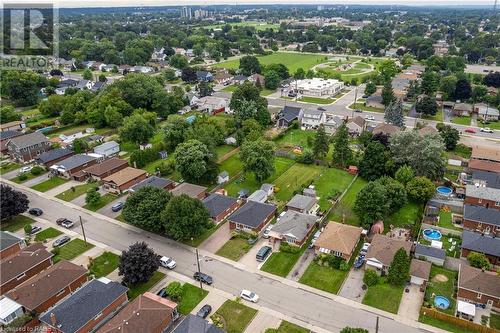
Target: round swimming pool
(444,190)
(432,234)
(441,302)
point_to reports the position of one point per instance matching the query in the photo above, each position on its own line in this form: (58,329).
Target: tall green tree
(143,208)
(420,189)
(430,82)
(427,105)
(399,271)
(258,157)
(138,264)
(342,153)
(450,136)
(463,90)
(7,114)
(194,161)
(136,129)
(370,88)
(373,164)
(321,143)
(388,94)
(394,113)
(404,174)
(249,65)
(371,203)
(175,131)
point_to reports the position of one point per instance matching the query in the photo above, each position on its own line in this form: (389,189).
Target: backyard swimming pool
(432,234)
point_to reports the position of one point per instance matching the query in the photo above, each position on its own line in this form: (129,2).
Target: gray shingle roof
(422,250)
(83,305)
(28,140)
(195,324)
(482,214)
(290,113)
(75,161)
(295,224)
(9,134)
(258,195)
(252,214)
(152,181)
(217,203)
(479,243)
(7,240)
(492,179)
(300,201)
(481,192)
(106,145)
(53,154)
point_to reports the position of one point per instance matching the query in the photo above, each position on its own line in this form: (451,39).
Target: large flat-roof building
(317,87)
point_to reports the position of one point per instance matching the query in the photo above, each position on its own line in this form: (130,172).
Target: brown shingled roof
(484,165)
(486,153)
(339,237)
(100,169)
(29,257)
(383,248)
(388,129)
(124,176)
(476,280)
(420,268)
(189,189)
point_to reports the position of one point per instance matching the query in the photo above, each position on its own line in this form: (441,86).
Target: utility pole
(355,99)
(199,269)
(83,229)
(376,326)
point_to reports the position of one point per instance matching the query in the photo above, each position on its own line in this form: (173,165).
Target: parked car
(470,130)
(117,206)
(360,260)
(168,262)
(266,232)
(365,247)
(67,224)
(370,117)
(315,237)
(35,229)
(25,169)
(35,211)
(61,241)
(61,220)
(199,276)
(358,110)
(204,311)
(249,296)
(162,293)
(486,130)
(320,108)
(263,253)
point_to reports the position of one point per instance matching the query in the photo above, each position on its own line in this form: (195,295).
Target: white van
(168,262)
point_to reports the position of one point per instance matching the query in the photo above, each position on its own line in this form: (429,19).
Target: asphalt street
(290,300)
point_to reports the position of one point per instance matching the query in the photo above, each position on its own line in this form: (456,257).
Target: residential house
(71,167)
(191,190)
(478,287)
(220,206)
(223,78)
(486,112)
(16,125)
(180,50)
(309,192)
(107,149)
(481,243)
(148,313)
(154,181)
(97,86)
(84,85)
(483,165)
(338,239)
(252,216)
(462,109)
(375,101)
(259,196)
(204,76)
(481,219)
(4,138)
(386,129)
(122,180)
(485,153)
(293,228)
(10,244)
(419,271)
(382,250)
(49,287)
(482,196)
(303,204)
(106,168)
(356,125)
(431,254)
(486,178)
(94,139)
(254,78)
(142,69)
(332,123)
(312,118)
(54,156)
(288,115)
(212,105)
(27,147)
(239,79)
(196,324)
(87,308)
(9,310)
(268,189)
(23,265)
(427,130)
(223,177)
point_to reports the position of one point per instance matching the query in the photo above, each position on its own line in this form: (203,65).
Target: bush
(335,262)
(37,170)
(22,177)
(344,266)
(174,291)
(371,277)
(285,247)
(166,168)
(27,229)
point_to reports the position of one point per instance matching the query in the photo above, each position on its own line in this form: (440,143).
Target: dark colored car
(199,276)
(35,211)
(35,229)
(320,108)
(61,220)
(204,311)
(162,293)
(61,241)
(358,110)
(263,253)
(117,207)
(360,260)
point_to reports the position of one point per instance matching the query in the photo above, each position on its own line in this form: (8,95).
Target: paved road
(331,313)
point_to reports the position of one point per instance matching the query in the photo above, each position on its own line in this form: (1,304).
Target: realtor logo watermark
(29,35)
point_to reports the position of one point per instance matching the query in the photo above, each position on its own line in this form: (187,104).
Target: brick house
(382,250)
(87,308)
(338,239)
(54,156)
(123,179)
(4,138)
(27,147)
(10,244)
(478,287)
(253,216)
(191,190)
(220,206)
(481,243)
(71,167)
(154,181)
(49,287)
(106,168)
(482,196)
(481,219)
(293,228)
(23,265)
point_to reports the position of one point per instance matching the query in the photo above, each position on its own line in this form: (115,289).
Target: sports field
(259,26)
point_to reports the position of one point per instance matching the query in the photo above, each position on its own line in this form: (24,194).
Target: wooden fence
(469,325)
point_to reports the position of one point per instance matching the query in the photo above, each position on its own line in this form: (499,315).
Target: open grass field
(293,179)
(232,165)
(323,278)
(75,192)
(384,296)
(191,296)
(291,60)
(141,288)
(408,215)
(104,264)
(287,327)
(344,207)
(72,249)
(47,234)
(234,249)
(296,137)
(49,184)
(440,286)
(16,223)
(103,201)
(461,120)
(235,316)
(331,182)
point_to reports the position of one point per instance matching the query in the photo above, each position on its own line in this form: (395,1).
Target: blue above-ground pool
(441,302)
(432,234)
(444,190)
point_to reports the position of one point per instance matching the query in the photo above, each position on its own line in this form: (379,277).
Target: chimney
(13,295)
(53,319)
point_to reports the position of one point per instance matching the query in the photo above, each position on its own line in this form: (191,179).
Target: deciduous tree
(138,264)
(478,260)
(12,202)
(143,208)
(420,189)
(195,161)
(373,163)
(136,129)
(342,153)
(258,157)
(371,203)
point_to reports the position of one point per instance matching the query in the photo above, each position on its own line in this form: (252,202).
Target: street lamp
(199,268)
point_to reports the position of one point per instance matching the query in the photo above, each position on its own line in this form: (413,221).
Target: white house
(312,118)
(9,310)
(107,149)
(211,104)
(317,87)
(72,137)
(487,113)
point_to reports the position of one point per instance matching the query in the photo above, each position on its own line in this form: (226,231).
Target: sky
(136,3)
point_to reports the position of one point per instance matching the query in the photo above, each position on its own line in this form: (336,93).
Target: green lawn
(223,150)
(47,234)
(191,296)
(330,182)
(230,88)
(323,277)
(141,288)
(296,137)
(235,316)
(291,60)
(451,250)
(232,165)
(152,166)
(8,167)
(384,296)
(281,263)
(363,107)
(104,264)
(16,223)
(495,320)
(103,201)
(461,120)
(344,207)
(287,327)
(29,176)
(316,100)
(293,179)
(442,324)
(234,248)
(408,215)
(49,184)
(72,249)
(266,92)
(493,125)
(75,191)
(445,221)
(437,117)
(439,287)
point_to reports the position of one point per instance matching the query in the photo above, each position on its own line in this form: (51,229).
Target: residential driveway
(11,174)
(215,300)
(261,322)
(217,239)
(353,286)
(301,265)
(83,259)
(36,180)
(249,259)
(411,303)
(106,210)
(61,188)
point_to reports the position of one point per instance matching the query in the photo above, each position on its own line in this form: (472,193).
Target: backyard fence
(469,325)
(285,154)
